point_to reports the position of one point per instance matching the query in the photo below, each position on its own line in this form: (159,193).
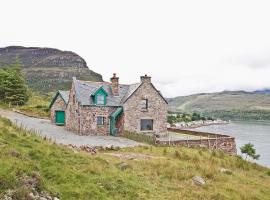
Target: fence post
(216,142)
(187,142)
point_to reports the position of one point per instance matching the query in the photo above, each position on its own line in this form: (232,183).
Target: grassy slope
(37,106)
(239,105)
(82,176)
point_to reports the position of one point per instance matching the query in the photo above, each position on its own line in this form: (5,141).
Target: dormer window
(100,99)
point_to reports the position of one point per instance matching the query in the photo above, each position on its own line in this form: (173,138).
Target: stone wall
(88,120)
(224,143)
(60,105)
(157,110)
(72,112)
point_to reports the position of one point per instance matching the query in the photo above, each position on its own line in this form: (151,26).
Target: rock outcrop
(47,69)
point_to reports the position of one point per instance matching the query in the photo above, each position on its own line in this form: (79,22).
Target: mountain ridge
(227,104)
(47,69)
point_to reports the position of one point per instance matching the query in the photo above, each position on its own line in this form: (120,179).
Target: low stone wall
(139,137)
(224,143)
(197,133)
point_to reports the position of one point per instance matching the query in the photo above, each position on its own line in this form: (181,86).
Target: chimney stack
(145,79)
(115,85)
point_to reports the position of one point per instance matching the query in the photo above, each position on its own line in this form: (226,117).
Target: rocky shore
(200,123)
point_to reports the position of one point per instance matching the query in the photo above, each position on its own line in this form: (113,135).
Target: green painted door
(60,117)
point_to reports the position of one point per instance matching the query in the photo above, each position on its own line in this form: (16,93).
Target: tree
(250,151)
(13,88)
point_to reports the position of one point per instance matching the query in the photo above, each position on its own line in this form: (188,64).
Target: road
(62,136)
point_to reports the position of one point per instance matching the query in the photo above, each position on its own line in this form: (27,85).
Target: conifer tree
(13,88)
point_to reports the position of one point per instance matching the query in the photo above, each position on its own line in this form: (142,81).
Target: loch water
(257,133)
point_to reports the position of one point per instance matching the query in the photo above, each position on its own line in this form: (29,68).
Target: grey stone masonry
(82,113)
(59,105)
(156,111)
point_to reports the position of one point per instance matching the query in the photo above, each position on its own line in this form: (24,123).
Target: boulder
(198,180)
(226,171)
(123,166)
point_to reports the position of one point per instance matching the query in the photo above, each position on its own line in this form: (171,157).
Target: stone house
(109,108)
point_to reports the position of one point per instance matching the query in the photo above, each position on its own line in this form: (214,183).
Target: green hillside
(229,105)
(47,69)
(28,162)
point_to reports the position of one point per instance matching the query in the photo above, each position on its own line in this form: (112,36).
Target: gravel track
(62,136)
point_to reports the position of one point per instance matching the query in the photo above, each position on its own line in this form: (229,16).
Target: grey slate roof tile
(84,90)
(65,95)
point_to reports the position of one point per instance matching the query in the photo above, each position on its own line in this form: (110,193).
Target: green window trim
(98,93)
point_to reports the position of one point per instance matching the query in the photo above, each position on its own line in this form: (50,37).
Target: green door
(60,117)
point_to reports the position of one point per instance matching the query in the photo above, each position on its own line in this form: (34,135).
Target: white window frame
(100,101)
(102,122)
(144,104)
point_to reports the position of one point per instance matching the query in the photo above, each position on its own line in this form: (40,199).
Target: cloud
(186,46)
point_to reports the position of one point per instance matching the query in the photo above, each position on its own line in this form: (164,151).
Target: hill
(47,69)
(227,104)
(29,163)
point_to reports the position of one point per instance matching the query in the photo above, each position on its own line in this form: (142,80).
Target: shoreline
(198,124)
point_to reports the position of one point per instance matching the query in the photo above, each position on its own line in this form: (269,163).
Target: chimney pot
(145,79)
(115,85)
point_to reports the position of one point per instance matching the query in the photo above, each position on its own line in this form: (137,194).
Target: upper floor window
(144,104)
(100,99)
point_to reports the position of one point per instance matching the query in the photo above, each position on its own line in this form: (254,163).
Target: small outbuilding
(58,107)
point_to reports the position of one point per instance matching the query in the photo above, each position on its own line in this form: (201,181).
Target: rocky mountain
(227,105)
(47,69)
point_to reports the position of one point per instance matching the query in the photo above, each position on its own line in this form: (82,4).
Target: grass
(78,175)
(37,106)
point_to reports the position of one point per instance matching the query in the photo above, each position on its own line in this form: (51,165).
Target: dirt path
(62,136)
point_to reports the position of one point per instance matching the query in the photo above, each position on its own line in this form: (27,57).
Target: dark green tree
(13,88)
(249,151)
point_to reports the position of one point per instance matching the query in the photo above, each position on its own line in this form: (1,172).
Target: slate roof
(84,90)
(65,95)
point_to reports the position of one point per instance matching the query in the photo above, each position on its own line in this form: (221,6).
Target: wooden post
(216,142)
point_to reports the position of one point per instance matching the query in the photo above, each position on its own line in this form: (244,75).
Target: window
(144,104)
(146,124)
(100,99)
(100,120)
(73,99)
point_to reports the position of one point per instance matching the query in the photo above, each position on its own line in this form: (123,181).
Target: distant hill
(266,91)
(47,69)
(227,105)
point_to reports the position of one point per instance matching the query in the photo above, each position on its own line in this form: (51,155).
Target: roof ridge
(94,81)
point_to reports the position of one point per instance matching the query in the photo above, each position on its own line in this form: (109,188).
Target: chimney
(145,79)
(115,85)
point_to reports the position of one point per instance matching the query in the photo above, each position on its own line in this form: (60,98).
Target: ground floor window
(147,124)
(100,120)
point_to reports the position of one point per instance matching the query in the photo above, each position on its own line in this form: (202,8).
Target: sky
(186,47)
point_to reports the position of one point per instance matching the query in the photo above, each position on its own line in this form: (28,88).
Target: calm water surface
(257,133)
